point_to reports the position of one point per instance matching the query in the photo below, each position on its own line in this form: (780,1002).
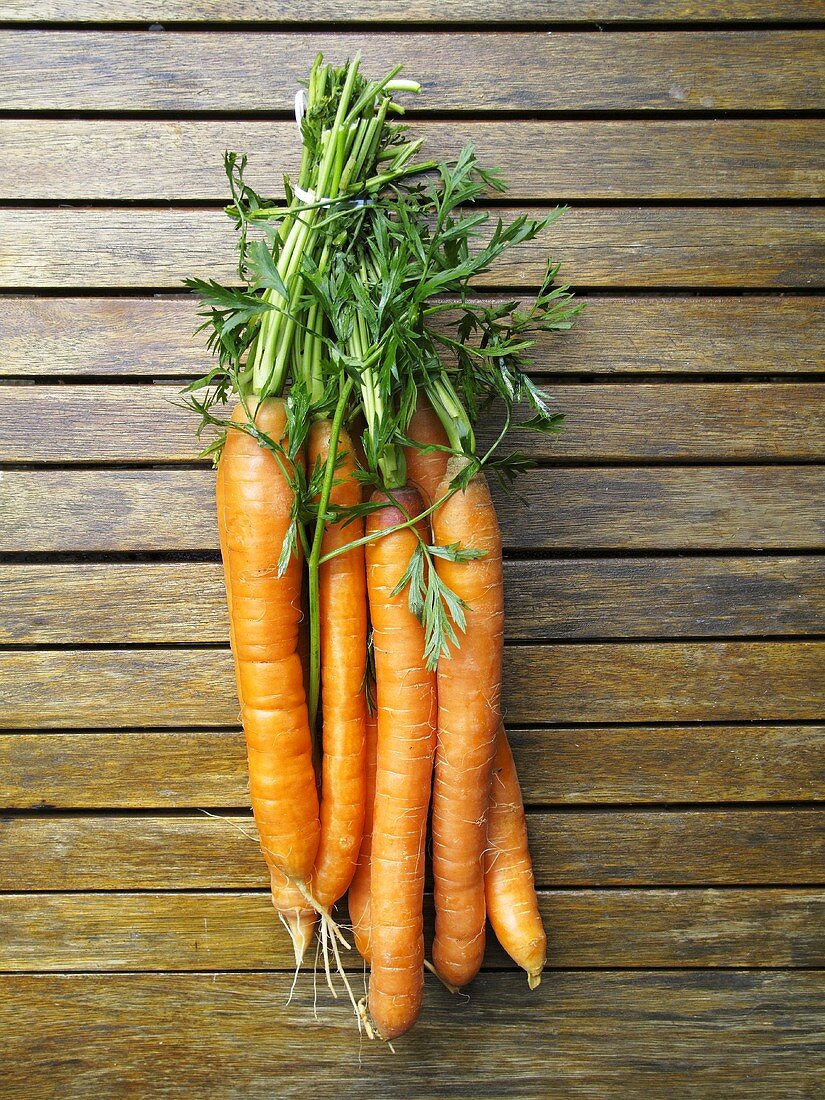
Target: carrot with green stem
(405,696)
(406,710)
(255,502)
(469,693)
(340,294)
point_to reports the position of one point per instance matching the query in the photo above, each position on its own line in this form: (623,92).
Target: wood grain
(111,603)
(674,770)
(551,161)
(608,422)
(143,71)
(409,11)
(614,1035)
(633,508)
(605,682)
(636,929)
(180,769)
(745,247)
(152,337)
(571,848)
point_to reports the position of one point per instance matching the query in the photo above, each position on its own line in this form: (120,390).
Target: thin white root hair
(328,945)
(447,985)
(324,913)
(325,937)
(355,1004)
(315,979)
(228,821)
(330,937)
(298,958)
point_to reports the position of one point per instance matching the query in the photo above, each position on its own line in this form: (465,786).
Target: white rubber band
(300,105)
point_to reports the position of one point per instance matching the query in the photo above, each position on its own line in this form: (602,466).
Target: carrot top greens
(356,293)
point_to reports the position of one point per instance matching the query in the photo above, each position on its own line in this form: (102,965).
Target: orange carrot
(469,713)
(512,905)
(358,899)
(406,741)
(343,625)
(425,469)
(254,502)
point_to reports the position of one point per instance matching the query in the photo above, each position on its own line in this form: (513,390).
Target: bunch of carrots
(361,549)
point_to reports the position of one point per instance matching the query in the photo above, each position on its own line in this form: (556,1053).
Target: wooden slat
(628,508)
(178,769)
(614,1035)
(153,337)
(608,422)
(550,161)
(636,929)
(608,682)
(142,71)
(110,603)
(406,12)
(746,247)
(596,848)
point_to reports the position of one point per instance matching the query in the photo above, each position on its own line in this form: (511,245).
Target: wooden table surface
(664,671)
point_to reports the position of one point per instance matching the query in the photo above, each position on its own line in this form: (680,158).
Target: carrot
(406,741)
(358,899)
(425,469)
(291,906)
(254,501)
(469,691)
(512,905)
(343,634)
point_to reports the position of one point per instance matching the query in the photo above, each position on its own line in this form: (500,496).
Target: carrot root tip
(300,933)
(447,985)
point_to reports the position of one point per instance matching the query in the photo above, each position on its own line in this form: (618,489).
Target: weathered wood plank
(616,335)
(409,11)
(613,1035)
(179,769)
(632,508)
(142,71)
(605,422)
(602,683)
(550,161)
(747,247)
(572,848)
(110,603)
(636,929)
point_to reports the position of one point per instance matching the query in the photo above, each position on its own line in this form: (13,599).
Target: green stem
(315,555)
(452,414)
(411,522)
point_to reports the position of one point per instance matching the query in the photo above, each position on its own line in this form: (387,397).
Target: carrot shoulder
(425,469)
(254,502)
(406,741)
(343,624)
(469,713)
(512,905)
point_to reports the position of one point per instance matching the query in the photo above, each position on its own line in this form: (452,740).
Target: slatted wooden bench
(664,673)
